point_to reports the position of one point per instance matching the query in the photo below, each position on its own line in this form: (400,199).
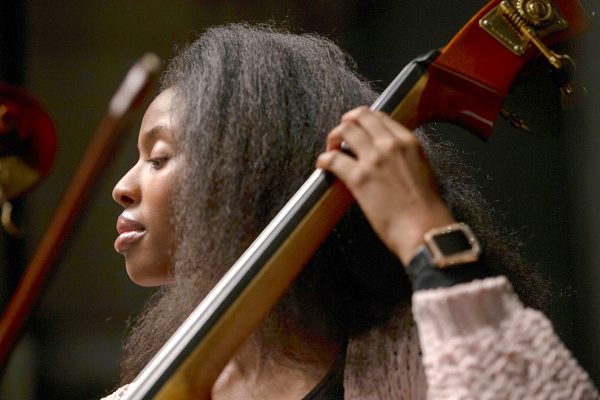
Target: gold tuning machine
(527,25)
(518,24)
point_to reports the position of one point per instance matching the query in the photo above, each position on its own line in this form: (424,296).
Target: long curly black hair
(255,105)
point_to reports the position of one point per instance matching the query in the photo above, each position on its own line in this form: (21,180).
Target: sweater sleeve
(480,342)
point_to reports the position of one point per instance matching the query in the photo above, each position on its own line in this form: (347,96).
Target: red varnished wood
(34,126)
(468,87)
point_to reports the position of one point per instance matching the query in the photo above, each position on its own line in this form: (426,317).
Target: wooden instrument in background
(98,154)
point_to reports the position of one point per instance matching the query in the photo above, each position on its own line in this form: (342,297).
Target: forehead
(159,113)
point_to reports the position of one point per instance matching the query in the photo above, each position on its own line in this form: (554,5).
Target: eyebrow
(152,133)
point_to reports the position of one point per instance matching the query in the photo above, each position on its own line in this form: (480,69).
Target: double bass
(465,83)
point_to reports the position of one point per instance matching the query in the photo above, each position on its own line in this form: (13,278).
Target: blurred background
(72,56)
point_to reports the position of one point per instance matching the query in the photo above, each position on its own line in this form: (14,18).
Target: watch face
(452,242)
(452,245)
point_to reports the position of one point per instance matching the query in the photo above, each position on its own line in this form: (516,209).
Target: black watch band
(449,256)
(424,273)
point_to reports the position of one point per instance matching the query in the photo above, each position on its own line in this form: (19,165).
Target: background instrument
(27,148)
(99,152)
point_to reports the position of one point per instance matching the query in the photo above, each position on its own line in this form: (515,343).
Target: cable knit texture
(478,342)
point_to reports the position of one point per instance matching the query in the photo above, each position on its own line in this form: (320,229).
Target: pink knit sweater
(477,342)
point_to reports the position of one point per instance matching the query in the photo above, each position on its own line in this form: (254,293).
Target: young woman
(242,119)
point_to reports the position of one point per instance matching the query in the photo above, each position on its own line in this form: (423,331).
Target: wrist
(413,235)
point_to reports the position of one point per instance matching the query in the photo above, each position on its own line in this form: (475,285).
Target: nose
(127,191)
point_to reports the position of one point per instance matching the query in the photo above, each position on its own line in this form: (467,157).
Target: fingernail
(321,160)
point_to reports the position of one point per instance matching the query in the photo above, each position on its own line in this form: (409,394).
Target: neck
(251,375)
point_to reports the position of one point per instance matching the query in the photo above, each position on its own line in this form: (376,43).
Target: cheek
(159,196)
(162,220)
(164,205)
(163,214)
(151,263)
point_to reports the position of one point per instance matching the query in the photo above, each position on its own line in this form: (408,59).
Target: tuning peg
(572,92)
(514,120)
(572,95)
(528,17)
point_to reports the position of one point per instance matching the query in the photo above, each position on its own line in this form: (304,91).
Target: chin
(143,277)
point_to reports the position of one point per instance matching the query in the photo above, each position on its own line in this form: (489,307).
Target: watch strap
(424,274)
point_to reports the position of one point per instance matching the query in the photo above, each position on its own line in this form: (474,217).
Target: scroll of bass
(465,83)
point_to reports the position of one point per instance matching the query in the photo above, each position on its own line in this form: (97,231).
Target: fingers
(379,144)
(357,126)
(371,134)
(380,125)
(355,137)
(338,163)
(370,121)
(390,177)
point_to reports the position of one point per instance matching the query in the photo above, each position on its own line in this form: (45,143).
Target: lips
(130,232)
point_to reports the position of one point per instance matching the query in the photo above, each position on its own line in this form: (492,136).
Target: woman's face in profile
(146,237)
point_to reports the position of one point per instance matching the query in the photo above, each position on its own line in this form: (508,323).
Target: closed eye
(158,162)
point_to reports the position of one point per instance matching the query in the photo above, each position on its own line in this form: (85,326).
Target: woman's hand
(390,178)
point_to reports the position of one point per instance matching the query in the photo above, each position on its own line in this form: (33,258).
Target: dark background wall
(73,55)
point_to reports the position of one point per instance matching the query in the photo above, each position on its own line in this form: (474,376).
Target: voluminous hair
(254,105)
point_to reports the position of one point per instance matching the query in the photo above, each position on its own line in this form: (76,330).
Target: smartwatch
(454,244)
(449,256)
